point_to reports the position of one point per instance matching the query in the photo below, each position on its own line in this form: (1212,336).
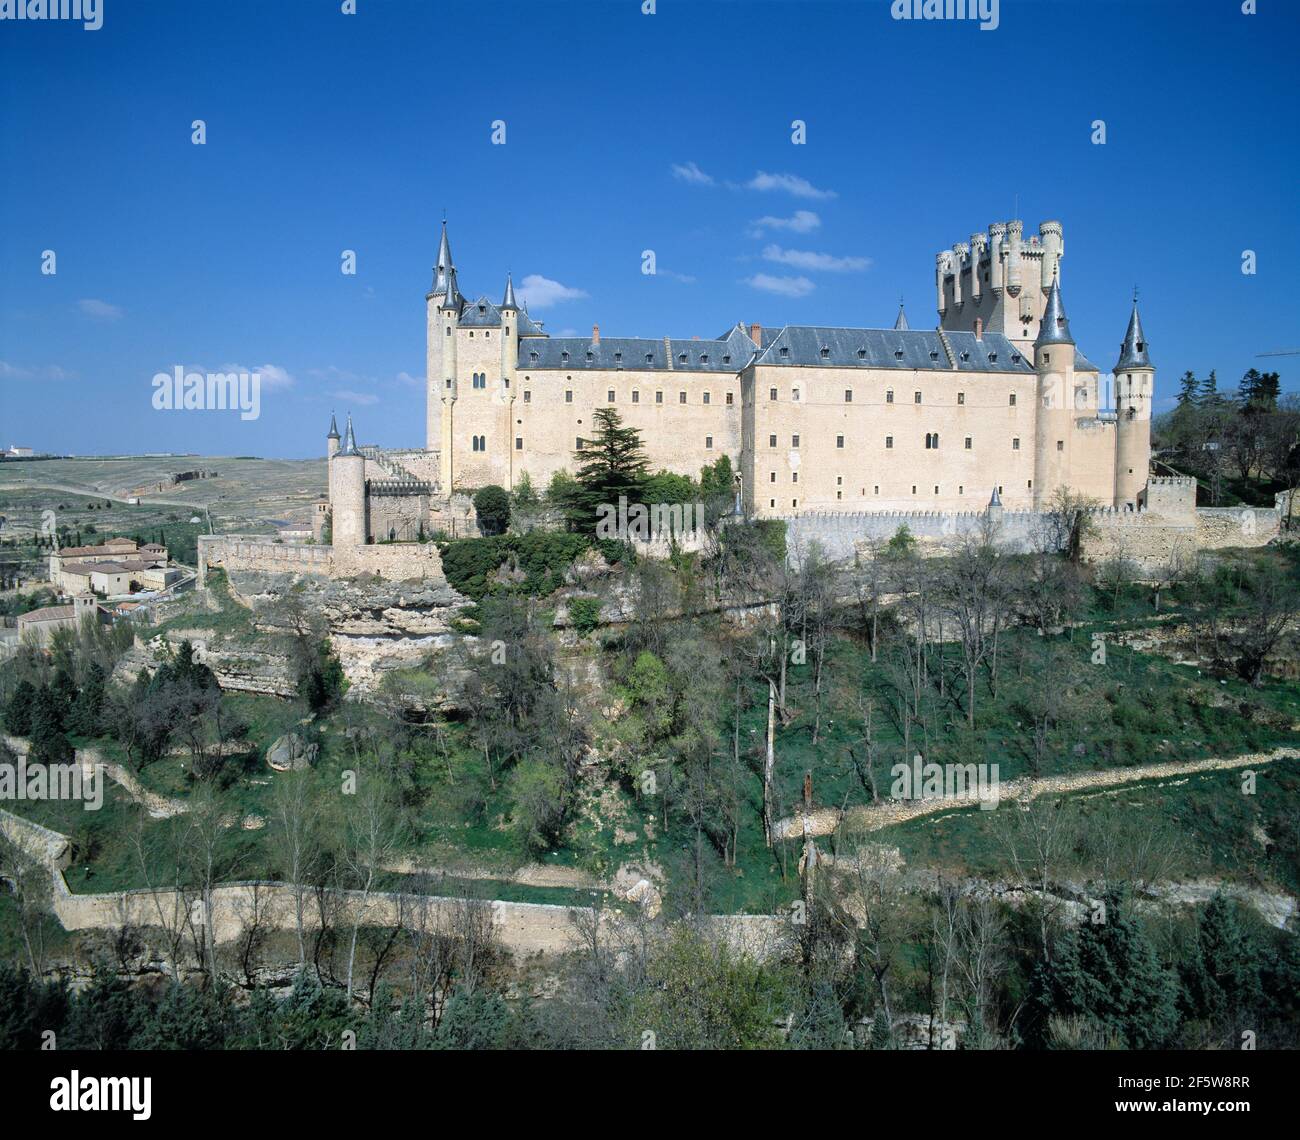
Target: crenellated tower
(347,478)
(999,279)
(1135,378)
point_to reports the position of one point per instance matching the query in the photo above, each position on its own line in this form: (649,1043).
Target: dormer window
(682,358)
(992,357)
(482,308)
(898,354)
(564,355)
(934,355)
(862,354)
(785,351)
(726,360)
(1015,358)
(704,358)
(589,356)
(965,356)
(533,357)
(825,352)
(649,357)
(618,358)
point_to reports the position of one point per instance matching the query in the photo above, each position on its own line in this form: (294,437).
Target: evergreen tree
(611,464)
(1221,983)
(1210,395)
(18,716)
(49,744)
(1108,973)
(1188,391)
(87,710)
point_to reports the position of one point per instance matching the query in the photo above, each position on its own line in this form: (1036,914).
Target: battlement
(397,487)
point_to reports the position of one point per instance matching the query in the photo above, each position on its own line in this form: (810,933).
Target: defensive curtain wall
(1166,526)
(393,562)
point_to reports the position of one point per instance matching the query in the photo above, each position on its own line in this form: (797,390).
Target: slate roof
(480,314)
(1133,352)
(637,354)
(904,349)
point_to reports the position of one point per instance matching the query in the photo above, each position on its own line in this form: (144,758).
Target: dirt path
(872,817)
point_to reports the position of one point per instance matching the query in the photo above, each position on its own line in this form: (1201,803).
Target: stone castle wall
(395,562)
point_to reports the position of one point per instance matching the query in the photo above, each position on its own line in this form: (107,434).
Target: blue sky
(624,132)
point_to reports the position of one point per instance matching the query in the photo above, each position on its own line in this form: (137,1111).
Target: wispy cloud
(800,222)
(273,376)
(787,184)
(41,372)
(782,286)
(405,377)
(673,275)
(349,397)
(540,292)
(808,259)
(99,310)
(689,172)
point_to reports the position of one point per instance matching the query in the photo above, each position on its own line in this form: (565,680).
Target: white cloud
(784,286)
(363,398)
(405,377)
(273,376)
(801,222)
(540,292)
(808,259)
(673,275)
(99,310)
(787,184)
(692,174)
(43,372)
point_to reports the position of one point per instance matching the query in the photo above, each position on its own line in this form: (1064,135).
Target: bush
(584,614)
(492,504)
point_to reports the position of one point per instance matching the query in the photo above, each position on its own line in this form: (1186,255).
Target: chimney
(595,334)
(756,334)
(979,328)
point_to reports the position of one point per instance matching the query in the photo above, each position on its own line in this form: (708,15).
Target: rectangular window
(916,397)
(771,393)
(968,441)
(708,443)
(528,397)
(794,502)
(772,478)
(519,443)
(609,396)
(579,445)
(771,441)
(794,477)
(795,394)
(707,397)
(1060,445)
(1011,402)
(771,502)
(889,396)
(848,395)
(839,494)
(659,397)
(730,399)
(681,397)
(839,480)
(1015,444)
(636,396)
(568,397)
(794,441)
(839,441)
(961,397)
(889,442)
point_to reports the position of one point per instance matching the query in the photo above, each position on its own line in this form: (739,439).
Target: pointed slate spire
(996,500)
(444,265)
(349,441)
(1133,352)
(1055,328)
(900,322)
(509,302)
(453,299)
(334,428)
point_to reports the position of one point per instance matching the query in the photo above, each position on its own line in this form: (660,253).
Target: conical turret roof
(509,302)
(900,322)
(1133,352)
(334,428)
(1055,328)
(349,441)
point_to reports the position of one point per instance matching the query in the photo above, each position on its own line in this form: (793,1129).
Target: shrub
(492,504)
(584,614)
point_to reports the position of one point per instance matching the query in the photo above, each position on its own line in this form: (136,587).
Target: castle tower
(1054,352)
(450,307)
(1135,379)
(348,493)
(437,341)
(509,364)
(84,605)
(332,440)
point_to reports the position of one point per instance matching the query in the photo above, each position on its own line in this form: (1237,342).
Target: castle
(998,397)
